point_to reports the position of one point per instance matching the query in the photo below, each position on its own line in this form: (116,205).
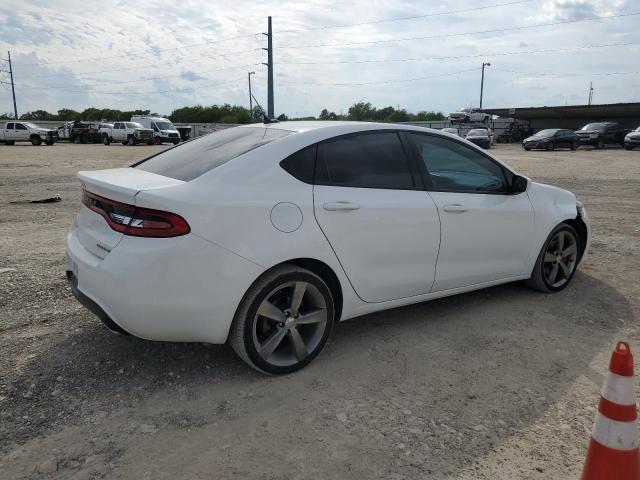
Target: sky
(417,55)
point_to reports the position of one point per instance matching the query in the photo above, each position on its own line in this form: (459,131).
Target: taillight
(136,221)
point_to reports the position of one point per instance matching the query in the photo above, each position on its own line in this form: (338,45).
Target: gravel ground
(501,383)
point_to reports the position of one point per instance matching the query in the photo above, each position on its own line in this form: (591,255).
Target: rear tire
(557,261)
(106,140)
(288,334)
(176,142)
(36,140)
(628,147)
(149,142)
(527,149)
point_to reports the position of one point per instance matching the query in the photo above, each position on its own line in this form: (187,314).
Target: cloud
(203,51)
(192,76)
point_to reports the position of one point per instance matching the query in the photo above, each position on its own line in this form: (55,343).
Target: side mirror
(519,184)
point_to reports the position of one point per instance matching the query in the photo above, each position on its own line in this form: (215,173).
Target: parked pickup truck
(128,133)
(602,133)
(468,115)
(27,132)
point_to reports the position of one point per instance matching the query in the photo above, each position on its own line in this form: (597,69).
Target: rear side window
(373,160)
(192,159)
(301,164)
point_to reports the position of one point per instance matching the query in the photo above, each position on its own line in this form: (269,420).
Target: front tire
(131,141)
(36,140)
(557,261)
(106,140)
(283,321)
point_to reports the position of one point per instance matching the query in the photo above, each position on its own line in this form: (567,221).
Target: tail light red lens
(136,221)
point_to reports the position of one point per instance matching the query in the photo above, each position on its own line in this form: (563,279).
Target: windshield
(550,132)
(594,126)
(133,125)
(464,109)
(30,125)
(450,130)
(477,132)
(637,129)
(165,126)
(192,159)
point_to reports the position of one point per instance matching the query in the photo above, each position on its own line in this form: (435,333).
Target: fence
(198,129)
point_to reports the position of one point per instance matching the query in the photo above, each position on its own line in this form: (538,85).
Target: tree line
(361,111)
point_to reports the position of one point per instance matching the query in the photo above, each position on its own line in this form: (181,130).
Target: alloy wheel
(290,323)
(560,259)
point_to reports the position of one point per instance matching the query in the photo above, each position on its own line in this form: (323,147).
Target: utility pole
(482,81)
(250,95)
(590,92)
(13,88)
(269,65)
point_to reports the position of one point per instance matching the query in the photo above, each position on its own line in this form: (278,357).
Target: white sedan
(266,235)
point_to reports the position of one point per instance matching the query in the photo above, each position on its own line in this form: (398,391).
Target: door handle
(340,206)
(455,208)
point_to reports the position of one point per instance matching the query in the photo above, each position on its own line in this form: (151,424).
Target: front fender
(551,206)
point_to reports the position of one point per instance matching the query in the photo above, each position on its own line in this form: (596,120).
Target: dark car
(480,136)
(632,139)
(601,134)
(550,139)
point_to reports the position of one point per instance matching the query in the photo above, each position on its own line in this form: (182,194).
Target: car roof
(341,126)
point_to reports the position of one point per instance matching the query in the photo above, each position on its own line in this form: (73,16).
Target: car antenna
(265,119)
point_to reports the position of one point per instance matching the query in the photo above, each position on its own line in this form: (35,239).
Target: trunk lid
(117,184)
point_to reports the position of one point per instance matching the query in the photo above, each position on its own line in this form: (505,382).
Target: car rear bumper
(175,289)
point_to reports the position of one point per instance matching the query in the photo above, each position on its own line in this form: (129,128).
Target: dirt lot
(497,384)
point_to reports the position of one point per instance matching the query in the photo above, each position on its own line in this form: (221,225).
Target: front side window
(192,159)
(372,160)
(20,126)
(454,167)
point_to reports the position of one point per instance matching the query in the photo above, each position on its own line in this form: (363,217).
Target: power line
(575,74)
(148,52)
(144,65)
(400,19)
(455,57)
(380,82)
(146,92)
(448,35)
(233,67)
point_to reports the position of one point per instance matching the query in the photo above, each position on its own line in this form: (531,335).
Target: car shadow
(505,352)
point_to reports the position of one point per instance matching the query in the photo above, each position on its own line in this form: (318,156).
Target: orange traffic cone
(614,452)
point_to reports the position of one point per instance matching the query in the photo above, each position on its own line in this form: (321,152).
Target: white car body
(26,132)
(163,129)
(386,247)
(124,131)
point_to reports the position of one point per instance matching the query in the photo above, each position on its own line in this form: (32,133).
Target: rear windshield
(594,126)
(192,159)
(478,131)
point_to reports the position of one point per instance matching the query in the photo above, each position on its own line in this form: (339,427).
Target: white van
(163,129)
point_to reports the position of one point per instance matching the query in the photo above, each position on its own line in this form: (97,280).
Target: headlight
(593,135)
